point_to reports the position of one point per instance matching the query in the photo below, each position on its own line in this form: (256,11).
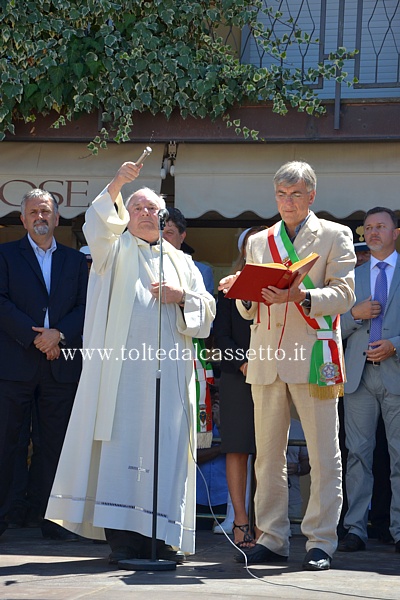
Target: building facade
(221,181)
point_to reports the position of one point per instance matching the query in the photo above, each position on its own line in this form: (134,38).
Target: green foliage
(128,57)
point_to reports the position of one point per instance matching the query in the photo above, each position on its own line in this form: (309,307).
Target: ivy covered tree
(81,56)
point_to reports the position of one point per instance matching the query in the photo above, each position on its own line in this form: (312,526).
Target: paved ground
(37,569)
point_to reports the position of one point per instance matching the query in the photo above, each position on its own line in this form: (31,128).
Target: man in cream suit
(296,356)
(372,329)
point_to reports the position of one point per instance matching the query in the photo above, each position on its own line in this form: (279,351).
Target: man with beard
(42,305)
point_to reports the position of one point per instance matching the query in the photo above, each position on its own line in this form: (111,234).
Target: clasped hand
(380,350)
(47,342)
(169,293)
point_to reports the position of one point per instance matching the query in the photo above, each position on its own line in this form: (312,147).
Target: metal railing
(372,27)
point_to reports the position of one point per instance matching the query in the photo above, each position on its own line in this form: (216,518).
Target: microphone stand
(154,563)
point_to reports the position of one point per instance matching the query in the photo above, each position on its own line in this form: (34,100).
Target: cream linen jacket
(333,278)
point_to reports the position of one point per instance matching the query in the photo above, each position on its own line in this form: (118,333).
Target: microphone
(163,215)
(146,152)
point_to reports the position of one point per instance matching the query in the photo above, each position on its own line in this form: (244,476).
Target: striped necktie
(380,296)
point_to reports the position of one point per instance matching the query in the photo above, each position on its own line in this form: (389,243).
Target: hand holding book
(274,295)
(248,285)
(226,282)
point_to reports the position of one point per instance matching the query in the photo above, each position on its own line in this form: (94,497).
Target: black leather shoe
(385,536)
(16,517)
(351,543)
(123,553)
(32,521)
(3,527)
(52,531)
(316,560)
(397,546)
(33,518)
(259,554)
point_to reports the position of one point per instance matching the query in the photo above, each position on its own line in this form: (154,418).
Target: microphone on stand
(163,215)
(153,563)
(146,152)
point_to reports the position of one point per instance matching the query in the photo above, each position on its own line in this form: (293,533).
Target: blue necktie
(380,296)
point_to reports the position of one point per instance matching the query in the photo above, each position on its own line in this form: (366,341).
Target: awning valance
(227,178)
(233,178)
(70,172)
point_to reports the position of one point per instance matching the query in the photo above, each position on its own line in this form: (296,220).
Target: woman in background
(232,338)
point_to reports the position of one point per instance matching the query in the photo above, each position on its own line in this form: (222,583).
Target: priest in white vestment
(104,482)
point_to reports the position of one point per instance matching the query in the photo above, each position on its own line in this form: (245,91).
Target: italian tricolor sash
(204,378)
(326,377)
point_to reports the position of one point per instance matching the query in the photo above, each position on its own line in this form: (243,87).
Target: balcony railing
(370,26)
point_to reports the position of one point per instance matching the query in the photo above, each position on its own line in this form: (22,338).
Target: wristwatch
(62,338)
(306,303)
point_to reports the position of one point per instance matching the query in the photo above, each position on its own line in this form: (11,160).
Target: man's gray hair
(149,194)
(294,171)
(38,193)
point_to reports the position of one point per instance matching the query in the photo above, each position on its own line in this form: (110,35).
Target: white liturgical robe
(105,473)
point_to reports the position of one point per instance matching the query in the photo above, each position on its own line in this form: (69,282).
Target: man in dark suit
(372,329)
(42,304)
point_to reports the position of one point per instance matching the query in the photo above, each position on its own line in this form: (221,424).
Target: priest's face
(143,210)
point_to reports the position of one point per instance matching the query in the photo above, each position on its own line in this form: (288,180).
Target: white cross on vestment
(140,469)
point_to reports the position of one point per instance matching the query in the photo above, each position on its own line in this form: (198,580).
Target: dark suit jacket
(23,303)
(357,334)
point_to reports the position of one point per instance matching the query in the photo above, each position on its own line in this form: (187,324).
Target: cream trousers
(319,419)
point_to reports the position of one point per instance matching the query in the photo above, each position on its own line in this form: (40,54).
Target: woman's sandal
(248,540)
